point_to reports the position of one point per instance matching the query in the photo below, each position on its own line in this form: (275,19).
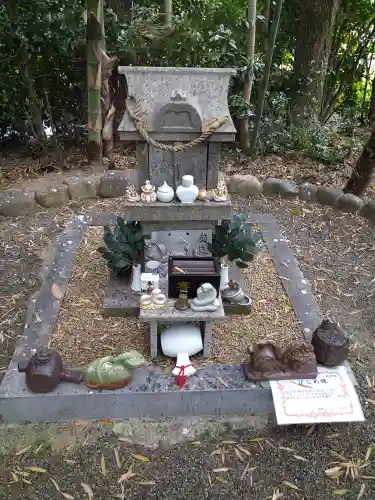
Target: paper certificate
(331,397)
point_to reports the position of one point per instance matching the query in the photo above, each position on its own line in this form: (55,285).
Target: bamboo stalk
(266,74)
(94,80)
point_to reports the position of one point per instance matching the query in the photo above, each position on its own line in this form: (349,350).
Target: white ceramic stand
(224,276)
(136,278)
(183,360)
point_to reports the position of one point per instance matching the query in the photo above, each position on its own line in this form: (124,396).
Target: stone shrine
(176,105)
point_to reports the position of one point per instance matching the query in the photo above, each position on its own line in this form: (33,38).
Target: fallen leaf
(26,481)
(222,469)
(87,489)
(67,496)
(257,439)
(228,442)
(56,292)
(146,483)
(368,454)
(103,466)
(196,443)
(141,458)
(14,476)
(368,477)
(70,462)
(21,473)
(55,484)
(285,448)
(298,457)
(291,485)
(237,452)
(117,458)
(361,491)
(125,440)
(244,450)
(39,470)
(127,475)
(310,431)
(340,492)
(221,479)
(337,455)
(21,452)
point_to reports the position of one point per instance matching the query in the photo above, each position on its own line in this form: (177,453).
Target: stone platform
(120,301)
(216,390)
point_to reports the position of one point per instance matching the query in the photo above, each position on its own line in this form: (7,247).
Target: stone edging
(250,186)
(113,184)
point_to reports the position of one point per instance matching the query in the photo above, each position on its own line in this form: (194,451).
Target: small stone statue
(234,294)
(270,361)
(221,191)
(148,194)
(113,372)
(131,194)
(153,299)
(204,196)
(206,299)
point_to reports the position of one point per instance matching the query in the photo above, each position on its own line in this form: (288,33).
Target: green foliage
(278,135)
(235,240)
(124,246)
(38,44)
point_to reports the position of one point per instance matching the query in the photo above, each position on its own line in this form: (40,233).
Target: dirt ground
(337,255)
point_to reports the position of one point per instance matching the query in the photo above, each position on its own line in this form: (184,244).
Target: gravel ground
(82,334)
(336,253)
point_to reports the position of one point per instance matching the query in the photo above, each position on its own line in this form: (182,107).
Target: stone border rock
(113,184)
(250,186)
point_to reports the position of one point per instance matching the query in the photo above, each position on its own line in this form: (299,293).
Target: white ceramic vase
(165,193)
(224,275)
(187,192)
(136,278)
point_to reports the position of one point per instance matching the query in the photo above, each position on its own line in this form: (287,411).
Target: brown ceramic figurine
(331,345)
(44,371)
(269,361)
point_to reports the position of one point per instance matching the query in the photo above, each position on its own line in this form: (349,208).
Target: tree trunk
(243,128)
(266,75)
(313,47)
(34,104)
(371,113)
(367,81)
(364,168)
(108,109)
(94,81)
(266,24)
(168,13)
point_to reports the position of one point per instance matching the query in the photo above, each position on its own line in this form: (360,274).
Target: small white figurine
(221,191)
(131,194)
(206,299)
(148,194)
(154,300)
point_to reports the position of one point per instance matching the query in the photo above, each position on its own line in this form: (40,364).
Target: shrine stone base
(215,390)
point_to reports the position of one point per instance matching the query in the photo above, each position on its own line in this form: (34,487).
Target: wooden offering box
(196,271)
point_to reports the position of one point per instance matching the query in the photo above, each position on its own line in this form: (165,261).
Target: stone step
(174,211)
(214,390)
